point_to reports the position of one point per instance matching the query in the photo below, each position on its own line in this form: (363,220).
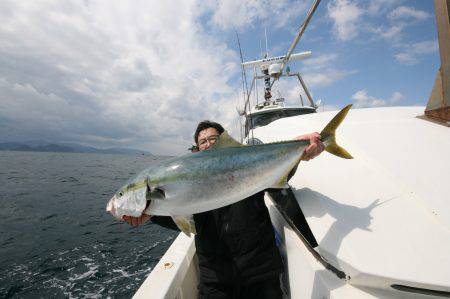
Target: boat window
(263,119)
(254,141)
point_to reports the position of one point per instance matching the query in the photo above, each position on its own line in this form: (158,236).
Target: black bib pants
(237,254)
(236,250)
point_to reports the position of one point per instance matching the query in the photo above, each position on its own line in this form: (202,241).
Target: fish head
(130,200)
(133,199)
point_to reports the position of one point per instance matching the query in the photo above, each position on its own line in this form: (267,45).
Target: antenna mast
(244,76)
(267,48)
(300,33)
(244,83)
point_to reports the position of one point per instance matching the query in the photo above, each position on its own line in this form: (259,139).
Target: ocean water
(56,240)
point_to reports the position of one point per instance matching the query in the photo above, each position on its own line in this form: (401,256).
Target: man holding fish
(222,186)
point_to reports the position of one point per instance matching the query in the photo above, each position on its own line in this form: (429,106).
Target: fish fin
(281,184)
(328,134)
(186,224)
(155,193)
(336,150)
(225,140)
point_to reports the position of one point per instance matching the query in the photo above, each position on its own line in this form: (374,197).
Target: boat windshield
(263,119)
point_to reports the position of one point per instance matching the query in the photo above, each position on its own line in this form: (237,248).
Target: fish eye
(120,193)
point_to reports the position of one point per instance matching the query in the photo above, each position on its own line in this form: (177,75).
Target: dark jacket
(236,244)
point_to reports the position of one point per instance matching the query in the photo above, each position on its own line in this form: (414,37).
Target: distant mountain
(82,148)
(122,151)
(37,142)
(44,146)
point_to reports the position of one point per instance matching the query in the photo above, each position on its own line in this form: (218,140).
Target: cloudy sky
(141,74)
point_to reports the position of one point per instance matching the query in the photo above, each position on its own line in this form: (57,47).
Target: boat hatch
(263,118)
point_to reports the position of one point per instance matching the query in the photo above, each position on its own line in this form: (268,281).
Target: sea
(57,241)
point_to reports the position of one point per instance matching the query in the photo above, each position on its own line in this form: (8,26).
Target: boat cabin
(265,113)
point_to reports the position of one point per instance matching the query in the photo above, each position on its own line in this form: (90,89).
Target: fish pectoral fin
(281,184)
(283,181)
(156,193)
(225,140)
(186,224)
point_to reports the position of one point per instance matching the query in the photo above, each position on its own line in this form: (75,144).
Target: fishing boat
(377,226)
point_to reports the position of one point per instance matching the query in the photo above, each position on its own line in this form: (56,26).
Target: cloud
(143,73)
(320,61)
(363,100)
(392,33)
(237,14)
(327,77)
(406,12)
(320,71)
(413,52)
(346,16)
(380,6)
(348,21)
(329,107)
(399,18)
(129,74)
(397,97)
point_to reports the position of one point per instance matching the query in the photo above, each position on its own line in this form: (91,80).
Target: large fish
(222,175)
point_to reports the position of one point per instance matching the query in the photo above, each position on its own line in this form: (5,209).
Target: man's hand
(136,221)
(314,149)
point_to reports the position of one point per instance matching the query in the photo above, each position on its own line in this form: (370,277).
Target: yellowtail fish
(220,176)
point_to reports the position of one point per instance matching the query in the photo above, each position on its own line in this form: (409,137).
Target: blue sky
(392,49)
(143,73)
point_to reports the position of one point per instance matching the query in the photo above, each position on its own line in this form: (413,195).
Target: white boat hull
(382,218)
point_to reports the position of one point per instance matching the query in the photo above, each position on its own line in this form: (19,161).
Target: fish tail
(329,138)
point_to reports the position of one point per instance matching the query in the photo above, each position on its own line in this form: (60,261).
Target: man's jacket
(235,244)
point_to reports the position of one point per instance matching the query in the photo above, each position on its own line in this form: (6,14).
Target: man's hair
(205,125)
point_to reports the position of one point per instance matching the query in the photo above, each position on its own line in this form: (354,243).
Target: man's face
(206,138)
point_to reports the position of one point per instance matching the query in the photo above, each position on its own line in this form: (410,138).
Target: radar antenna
(271,70)
(273,67)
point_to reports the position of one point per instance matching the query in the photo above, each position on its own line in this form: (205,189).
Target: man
(236,250)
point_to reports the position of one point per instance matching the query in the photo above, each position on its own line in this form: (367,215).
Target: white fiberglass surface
(386,212)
